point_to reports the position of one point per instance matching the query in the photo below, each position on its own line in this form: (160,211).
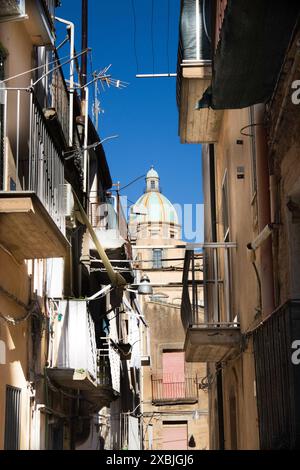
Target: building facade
(174,407)
(66,322)
(250,256)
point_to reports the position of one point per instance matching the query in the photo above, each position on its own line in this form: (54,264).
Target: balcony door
(173,374)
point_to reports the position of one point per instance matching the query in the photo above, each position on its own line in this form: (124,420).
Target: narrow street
(149,289)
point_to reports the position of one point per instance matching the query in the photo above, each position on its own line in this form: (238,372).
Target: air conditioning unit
(12,9)
(69,209)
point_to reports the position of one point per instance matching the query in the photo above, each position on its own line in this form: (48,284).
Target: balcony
(76,363)
(38,15)
(32,181)
(13,9)
(166,391)
(110,226)
(276,356)
(104,393)
(212,335)
(194,74)
(40,22)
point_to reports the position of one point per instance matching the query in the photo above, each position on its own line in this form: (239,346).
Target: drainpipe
(264,211)
(85,145)
(71,28)
(84,44)
(213,221)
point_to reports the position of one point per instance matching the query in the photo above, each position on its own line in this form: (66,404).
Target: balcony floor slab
(26,228)
(211,344)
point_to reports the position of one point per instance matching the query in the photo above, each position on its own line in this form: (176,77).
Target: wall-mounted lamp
(145,287)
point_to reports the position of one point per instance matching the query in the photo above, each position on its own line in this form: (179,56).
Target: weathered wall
(233,155)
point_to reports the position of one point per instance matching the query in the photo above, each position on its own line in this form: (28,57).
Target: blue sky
(144,115)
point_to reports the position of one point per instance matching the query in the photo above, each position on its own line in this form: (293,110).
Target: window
(225,211)
(152,184)
(12,418)
(157,258)
(172,234)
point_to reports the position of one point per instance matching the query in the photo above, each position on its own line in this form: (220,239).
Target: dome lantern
(152,181)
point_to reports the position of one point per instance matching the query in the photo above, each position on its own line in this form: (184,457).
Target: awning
(253,41)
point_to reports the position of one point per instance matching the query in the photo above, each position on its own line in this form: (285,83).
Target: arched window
(152,184)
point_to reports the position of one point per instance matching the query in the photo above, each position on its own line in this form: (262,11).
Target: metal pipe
(155,75)
(71,27)
(86,133)
(5,166)
(264,212)
(18,137)
(191,246)
(197,30)
(84,42)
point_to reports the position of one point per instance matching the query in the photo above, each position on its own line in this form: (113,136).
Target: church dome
(153,206)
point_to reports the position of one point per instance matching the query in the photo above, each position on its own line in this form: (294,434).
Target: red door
(175,436)
(173,375)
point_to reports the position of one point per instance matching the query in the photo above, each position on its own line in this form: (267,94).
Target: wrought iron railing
(174,389)
(208,301)
(103,365)
(32,161)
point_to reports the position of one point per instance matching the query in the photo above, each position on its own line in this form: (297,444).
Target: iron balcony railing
(103,364)
(207,299)
(166,388)
(31,159)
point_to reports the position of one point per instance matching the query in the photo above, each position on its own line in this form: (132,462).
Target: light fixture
(144,286)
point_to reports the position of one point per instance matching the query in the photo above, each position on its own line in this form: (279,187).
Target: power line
(152,36)
(134,35)
(168,34)
(131,182)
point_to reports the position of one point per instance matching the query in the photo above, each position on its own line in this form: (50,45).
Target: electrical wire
(60,65)
(42,66)
(168,34)
(152,35)
(134,36)
(136,179)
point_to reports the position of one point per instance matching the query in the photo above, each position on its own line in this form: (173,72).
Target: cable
(152,36)
(42,66)
(136,179)
(14,298)
(134,36)
(59,66)
(168,34)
